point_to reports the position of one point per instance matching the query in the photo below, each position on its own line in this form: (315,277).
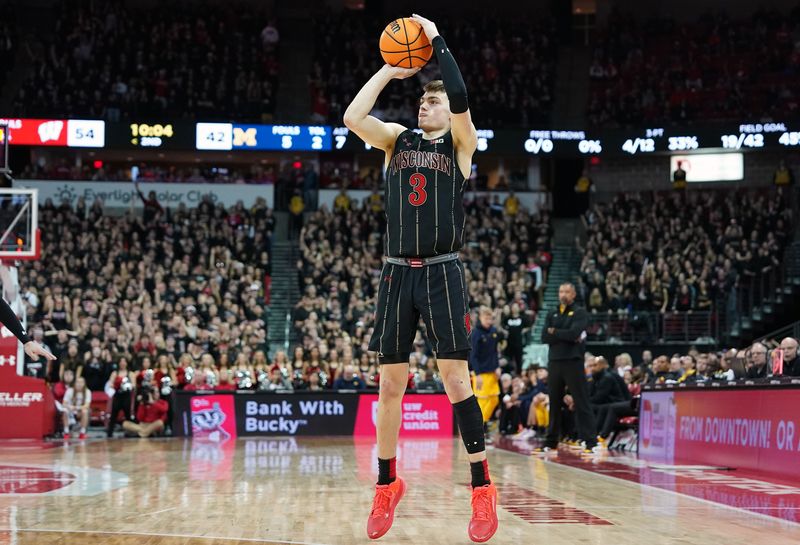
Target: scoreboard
(230,136)
(181,135)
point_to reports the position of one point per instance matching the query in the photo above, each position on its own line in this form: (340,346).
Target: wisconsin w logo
(50,130)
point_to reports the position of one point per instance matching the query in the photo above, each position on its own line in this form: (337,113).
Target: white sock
(83,430)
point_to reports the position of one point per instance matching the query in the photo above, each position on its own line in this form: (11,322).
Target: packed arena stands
(109,60)
(182,289)
(506,258)
(661,71)
(173,289)
(508,67)
(521,412)
(680,252)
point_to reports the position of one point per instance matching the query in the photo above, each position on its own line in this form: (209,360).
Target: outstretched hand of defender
(428,26)
(398,72)
(34,350)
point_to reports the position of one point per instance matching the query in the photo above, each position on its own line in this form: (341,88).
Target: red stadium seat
(98,410)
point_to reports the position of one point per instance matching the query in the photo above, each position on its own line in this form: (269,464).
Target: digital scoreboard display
(232,136)
(72,133)
(165,134)
(346,140)
(744,136)
(151,135)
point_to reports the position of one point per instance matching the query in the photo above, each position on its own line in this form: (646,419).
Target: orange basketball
(404,44)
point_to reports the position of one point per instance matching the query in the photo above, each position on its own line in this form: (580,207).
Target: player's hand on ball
(428,26)
(398,72)
(34,350)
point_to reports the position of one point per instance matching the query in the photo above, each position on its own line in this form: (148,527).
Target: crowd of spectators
(174,289)
(648,73)
(506,257)
(614,386)
(508,66)
(679,251)
(112,60)
(178,297)
(769,358)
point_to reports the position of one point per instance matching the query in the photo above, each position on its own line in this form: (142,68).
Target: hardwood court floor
(318,491)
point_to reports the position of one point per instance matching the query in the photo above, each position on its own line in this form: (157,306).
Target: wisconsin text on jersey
(421,159)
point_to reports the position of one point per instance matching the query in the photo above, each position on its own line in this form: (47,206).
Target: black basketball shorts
(436,292)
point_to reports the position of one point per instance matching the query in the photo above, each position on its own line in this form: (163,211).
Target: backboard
(19,224)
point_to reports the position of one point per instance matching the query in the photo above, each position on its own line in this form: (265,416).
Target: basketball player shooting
(422,274)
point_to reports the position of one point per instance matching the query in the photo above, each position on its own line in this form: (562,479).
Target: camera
(146,393)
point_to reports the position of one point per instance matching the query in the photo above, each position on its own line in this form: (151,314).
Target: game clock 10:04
(145,135)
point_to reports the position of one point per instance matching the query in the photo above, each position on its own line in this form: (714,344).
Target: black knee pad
(470,423)
(400,357)
(462,355)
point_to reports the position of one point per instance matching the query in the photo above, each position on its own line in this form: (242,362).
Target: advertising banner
(296,414)
(213,418)
(27,407)
(657,427)
(218,417)
(169,195)
(741,428)
(423,416)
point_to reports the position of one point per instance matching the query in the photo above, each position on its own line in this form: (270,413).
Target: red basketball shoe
(387,496)
(483,523)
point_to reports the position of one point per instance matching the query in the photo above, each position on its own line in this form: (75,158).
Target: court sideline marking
(157,534)
(673,492)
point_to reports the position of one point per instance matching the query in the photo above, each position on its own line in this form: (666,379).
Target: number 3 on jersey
(418,196)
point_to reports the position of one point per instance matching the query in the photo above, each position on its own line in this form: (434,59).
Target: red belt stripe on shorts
(419,262)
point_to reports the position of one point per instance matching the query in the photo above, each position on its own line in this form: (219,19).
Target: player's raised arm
(465,137)
(370,129)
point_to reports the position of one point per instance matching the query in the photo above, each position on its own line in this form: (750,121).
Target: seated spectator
(689,367)
(510,419)
(77,401)
(314,383)
(757,366)
(430,383)
(791,363)
(151,414)
(198,383)
(277,381)
(60,388)
(225,383)
(349,380)
(604,389)
(661,371)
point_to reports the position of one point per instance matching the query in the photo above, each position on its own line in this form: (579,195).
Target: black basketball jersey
(424,197)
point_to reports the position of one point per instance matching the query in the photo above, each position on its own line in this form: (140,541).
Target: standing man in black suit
(565,331)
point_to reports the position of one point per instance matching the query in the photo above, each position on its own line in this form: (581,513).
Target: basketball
(404,44)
